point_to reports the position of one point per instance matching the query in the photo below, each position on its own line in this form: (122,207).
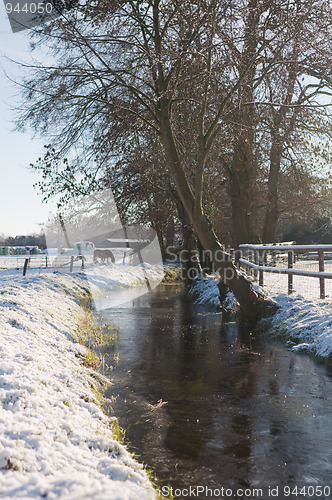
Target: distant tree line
(27,241)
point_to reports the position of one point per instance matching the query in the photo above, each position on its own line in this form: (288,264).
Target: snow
(303,318)
(304,322)
(55,441)
(205,291)
(110,285)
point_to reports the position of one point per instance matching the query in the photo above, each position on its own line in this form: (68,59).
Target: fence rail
(65,262)
(259,253)
(41,262)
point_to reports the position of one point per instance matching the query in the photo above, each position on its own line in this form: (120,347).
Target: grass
(172,274)
(105,334)
(117,431)
(91,333)
(91,360)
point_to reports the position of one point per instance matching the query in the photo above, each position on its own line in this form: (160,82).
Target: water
(204,402)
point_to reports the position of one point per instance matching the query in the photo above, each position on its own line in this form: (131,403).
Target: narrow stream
(203,402)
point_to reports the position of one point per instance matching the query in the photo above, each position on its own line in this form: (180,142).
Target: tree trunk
(243,168)
(170,232)
(242,180)
(204,258)
(190,266)
(272,212)
(253,305)
(277,144)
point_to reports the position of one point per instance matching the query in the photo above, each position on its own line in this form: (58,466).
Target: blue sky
(21,209)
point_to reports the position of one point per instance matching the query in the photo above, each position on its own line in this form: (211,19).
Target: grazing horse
(103,254)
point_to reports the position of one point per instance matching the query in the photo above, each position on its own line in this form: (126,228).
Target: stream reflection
(241,410)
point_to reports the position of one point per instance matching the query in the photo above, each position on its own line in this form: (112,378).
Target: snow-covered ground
(306,323)
(55,441)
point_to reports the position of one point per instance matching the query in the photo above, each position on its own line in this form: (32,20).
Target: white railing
(255,257)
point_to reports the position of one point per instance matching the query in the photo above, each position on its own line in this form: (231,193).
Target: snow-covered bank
(55,442)
(306,324)
(205,291)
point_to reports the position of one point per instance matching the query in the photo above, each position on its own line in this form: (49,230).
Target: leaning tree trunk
(190,265)
(253,305)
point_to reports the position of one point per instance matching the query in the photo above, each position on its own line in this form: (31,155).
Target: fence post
(290,276)
(256,261)
(232,254)
(251,258)
(26,262)
(71,263)
(247,257)
(261,262)
(321,270)
(237,256)
(46,261)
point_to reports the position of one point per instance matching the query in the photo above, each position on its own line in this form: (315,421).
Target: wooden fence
(62,262)
(42,262)
(255,257)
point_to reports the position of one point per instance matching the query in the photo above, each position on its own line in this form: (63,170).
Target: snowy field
(55,441)
(43,261)
(306,286)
